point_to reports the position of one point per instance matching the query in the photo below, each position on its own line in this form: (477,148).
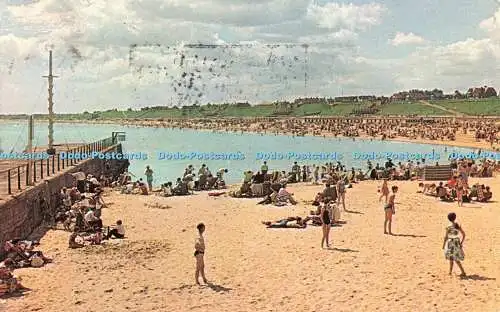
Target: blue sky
(439,21)
(356,47)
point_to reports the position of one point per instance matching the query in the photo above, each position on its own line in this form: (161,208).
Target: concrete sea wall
(23,213)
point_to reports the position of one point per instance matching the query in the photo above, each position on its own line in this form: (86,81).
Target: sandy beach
(258,269)
(253,268)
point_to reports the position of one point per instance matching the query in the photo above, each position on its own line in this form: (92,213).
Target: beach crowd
(81,204)
(434,129)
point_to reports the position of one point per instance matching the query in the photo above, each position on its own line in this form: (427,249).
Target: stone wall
(23,213)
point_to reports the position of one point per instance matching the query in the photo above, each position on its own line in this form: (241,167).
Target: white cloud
(406,39)
(91,40)
(459,65)
(351,17)
(492,25)
(455,66)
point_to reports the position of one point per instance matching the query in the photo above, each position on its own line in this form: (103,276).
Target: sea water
(169,151)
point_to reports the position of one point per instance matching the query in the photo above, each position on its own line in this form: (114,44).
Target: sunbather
(291,222)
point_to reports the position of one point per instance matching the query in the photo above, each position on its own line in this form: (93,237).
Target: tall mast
(306,68)
(50,78)
(29,148)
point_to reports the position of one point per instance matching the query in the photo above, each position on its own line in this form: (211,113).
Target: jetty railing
(19,177)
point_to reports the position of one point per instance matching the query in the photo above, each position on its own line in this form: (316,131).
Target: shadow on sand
(353,211)
(475,277)
(408,235)
(182,287)
(212,286)
(218,288)
(342,249)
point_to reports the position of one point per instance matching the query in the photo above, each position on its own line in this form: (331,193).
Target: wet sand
(259,269)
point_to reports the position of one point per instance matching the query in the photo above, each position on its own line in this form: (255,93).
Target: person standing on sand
(452,245)
(296,171)
(341,192)
(384,191)
(199,253)
(316,174)
(149,177)
(325,224)
(389,210)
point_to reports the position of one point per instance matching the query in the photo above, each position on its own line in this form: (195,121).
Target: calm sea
(163,147)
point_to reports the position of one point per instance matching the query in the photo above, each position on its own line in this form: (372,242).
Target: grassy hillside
(489,107)
(410,108)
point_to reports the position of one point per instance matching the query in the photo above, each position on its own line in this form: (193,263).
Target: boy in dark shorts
(389,210)
(199,252)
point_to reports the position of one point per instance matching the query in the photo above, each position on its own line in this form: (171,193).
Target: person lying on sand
(427,188)
(291,222)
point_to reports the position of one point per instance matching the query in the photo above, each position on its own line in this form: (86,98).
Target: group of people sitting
(22,253)
(484,168)
(79,239)
(126,186)
(272,185)
(189,182)
(184,185)
(457,189)
(83,211)
(80,205)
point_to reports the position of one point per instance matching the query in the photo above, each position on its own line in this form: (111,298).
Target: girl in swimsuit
(390,210)
(199,253)
(326,225)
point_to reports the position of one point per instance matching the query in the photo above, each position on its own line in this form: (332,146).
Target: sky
(124,54)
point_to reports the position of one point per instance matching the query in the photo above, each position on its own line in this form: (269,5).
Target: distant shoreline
(152,123)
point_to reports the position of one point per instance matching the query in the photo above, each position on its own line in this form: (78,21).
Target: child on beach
(389,210)
(384,191)
(460,194)
(199,252)
(452,245)
(325,224)
(117,231)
